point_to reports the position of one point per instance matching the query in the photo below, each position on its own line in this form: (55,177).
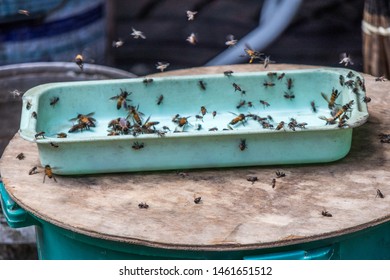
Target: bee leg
(54,178)
(44,177)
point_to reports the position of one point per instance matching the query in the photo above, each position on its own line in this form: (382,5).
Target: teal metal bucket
(55,243)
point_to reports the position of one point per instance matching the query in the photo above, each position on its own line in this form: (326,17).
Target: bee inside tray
(216,114)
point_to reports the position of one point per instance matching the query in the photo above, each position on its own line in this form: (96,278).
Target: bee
(118,43)
(135,114)
(350,75)
(214,114)
(62,135)
(350,83)
(281,76)
(265,103)
(252,53)
(20,156)
(33,171)
(86,119)
(191,14)
(54,101)
(302,125)
(384,138)
(360,83)
(230,41)
(292,124)
(24,12)
(113,133)
(343,109)
(162,66)
(203,110)
(280,125)
(341,80)
(379,194)
(121,99)
(192,39)
(202,85)
(147,81)
(34,115)
(280,174)
(267,60)
(289,83)
(240,104)
(328,120)
(137,34)
(143,205)
(242,145)
(213,129)
(250,104)
(160,99)
(197,200)
(181,121)
(182,174)
(288,95)
(252,179)
(273,183)
(228,73)
(326,213)
(345,59)
(236,87)
(138,146)
(79,59)
(77,127)
(366,99)
(239,118)
(333,97)
(313,107)
(28,105)
(49,173)
(380,79)
(54,145)
(40,134)
(268,84)
(272,74)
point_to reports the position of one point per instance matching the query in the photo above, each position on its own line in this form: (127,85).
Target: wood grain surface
(233,214)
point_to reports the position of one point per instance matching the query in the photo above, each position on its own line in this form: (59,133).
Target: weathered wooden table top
(233,213)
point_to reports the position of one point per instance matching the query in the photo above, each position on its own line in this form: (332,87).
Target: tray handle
(324,253)
(16,216)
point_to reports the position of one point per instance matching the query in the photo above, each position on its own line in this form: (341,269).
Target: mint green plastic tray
(93,151)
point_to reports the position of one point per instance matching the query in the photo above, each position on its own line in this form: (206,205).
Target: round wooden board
(233,214)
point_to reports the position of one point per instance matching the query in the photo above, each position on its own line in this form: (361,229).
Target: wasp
(62,135)
(343,109)
(267,84)
(121,99)
(252,179)
(288,95)
(252,53)
(281,76)
(147,81)
(34,115)
(48,173)
(289,83)
(197,200)
(333,97)
(326,213)
(203,110)
(143,205)
(379,194)
(20,156)
(160,99)
(242,145)
(280,174)
(313,107)
(228,73)
(40,134)
(135,114)
(54,145)
(138,146)
(79,59)
(265,103)
(86,119)
(280,125)
(54,101)
(202,85)
(240,104)
(239,118)
(33,171)
(273,183)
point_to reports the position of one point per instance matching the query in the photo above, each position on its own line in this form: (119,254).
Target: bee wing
(90,114)
(114,97)
(325,97)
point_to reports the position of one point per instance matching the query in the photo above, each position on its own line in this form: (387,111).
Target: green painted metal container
(244,119)
(54,242)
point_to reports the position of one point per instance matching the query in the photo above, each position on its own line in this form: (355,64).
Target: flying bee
(379,194)
(20,156)
(118,43)
(143,205)
(343,110)
(230,41)
(135,114)
(138,146)
(267,60)
(79,59)
(33,171)
(87,119)
(49,173)
(121,99)
(203,110)
(326,213)
(292,124)
(345,59)
(366,99)
(54,101)
(265,103)
(24,12)
(192,39)
(62,135)
(242,145)
(228,73)
(280,174)
(280,125)
(252,53)
(331,103)
(281,76)
(202,85)
(197,200)
(147,81)
(289,95)
(273,183)
(239,118)
(191,14)
(267,84)
(40,134)
(137,34)
(160,99)
(162,66)
(289,83)
(236,87)
(252,179)
(341,80)
(313,107)
(240,104)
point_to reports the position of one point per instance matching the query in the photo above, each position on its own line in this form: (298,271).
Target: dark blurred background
(58,30)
